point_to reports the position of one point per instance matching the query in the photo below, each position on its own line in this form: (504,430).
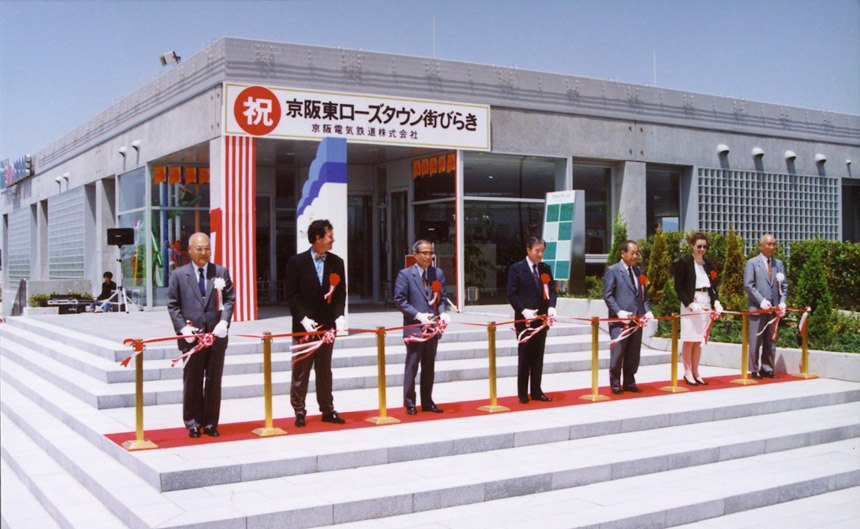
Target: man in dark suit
(420,294)
(200,299)
(531,292)
(316,292)
(625,297)
(767,287)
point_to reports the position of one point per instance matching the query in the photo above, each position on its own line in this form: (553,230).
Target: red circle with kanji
(257,110)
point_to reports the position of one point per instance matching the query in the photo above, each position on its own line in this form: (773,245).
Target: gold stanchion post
(595,394)
(269,430)
(491,348)
(745,354)
(139,442)
(383,417)
(674,387)
(804,363)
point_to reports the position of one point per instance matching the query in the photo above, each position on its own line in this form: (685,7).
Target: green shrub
(732,282)
(619,235)
(841,269)
(811,290)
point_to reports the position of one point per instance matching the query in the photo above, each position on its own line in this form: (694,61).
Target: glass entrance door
(360,233)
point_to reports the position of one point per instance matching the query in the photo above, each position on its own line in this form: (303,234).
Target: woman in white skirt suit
(696,280)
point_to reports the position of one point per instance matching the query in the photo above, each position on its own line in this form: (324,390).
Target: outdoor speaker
(120,236)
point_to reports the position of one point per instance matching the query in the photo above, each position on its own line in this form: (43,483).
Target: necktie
(537,277)
(424,280)
(201,281)
(632,280)
(769,270)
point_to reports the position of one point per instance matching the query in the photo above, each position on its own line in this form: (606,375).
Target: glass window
(663,201)
(132,190)
(433,177)
(496,234)
(597,183)
(180,187)
(435,223)
(134,269)
(66,234)
(501,175)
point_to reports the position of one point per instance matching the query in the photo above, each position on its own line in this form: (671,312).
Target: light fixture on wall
(135,145)
(790,156)
(722,149)
(170,58)
(122,150)
(757,152)
(820,158)
(847,162)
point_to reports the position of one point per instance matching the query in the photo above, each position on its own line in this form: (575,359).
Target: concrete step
(158,365)
(238,384)
(19,509)
(45,493)
(668,499)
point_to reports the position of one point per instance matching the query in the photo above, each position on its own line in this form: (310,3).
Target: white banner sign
(274,112)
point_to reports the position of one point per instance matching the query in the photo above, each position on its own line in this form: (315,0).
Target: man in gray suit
(626,296)
(200,299)
(767,287)
(420,294)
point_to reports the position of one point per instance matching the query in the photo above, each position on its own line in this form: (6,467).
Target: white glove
(529,314)
(765,304)
(220,330)
(309,324)
(695,307)
(423,317)
(782,306)
(340,324)
(550,312)
(445,317)
(188,332)
(623,314)
(649,315)
(718,306)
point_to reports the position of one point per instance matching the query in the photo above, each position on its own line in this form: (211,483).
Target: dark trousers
(201,386)
(320,362)
(530,365)
(624,358)
(761,347)
(423,353)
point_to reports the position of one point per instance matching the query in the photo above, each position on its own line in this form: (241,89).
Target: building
(461,154)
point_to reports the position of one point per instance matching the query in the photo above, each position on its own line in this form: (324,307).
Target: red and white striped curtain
(237,243)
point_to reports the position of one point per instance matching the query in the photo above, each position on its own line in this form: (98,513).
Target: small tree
(732,284)
(659,268)
(669,304)
(619,235)
(812,291)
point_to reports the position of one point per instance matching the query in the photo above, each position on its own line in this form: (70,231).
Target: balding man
(200,299)
(767,287)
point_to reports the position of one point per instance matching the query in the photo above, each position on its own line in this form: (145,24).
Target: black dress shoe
(411,410)
(433,408)
(333,417)
(300,420)
(617,391)
(755,376)
(524,400)
(194,433)
(632,389)
(701,382)
(765,374)
(694,383)
(542,398)
(211,431)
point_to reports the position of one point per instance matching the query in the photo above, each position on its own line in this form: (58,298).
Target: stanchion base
(138,445)
(594,398)
(674,389)
(744,381)
(268,432)
(382,420)
(493,409)
(804,375)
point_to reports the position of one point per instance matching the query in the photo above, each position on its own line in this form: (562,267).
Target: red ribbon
(333,282)
(714,317)
(306,349)
(204,340)
(632,326)
(804,320)
(429,330)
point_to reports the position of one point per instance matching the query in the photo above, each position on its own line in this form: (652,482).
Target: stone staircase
(647,462)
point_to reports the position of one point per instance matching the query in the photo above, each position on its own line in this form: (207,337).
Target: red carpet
(240,431)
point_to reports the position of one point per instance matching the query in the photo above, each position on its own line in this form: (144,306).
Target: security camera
(170,58)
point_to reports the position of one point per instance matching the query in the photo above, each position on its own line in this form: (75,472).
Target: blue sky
(62,63)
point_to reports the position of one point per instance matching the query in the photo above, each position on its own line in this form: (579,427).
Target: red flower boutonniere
(437,290)
(545,279)
(643,280)
(713,275)
(333,282)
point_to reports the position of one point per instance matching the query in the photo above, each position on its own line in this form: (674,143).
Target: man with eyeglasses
(200,299)
(420,294)
(767,287)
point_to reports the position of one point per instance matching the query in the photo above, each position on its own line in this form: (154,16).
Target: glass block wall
(792,207)
(18,252)
(66,235)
